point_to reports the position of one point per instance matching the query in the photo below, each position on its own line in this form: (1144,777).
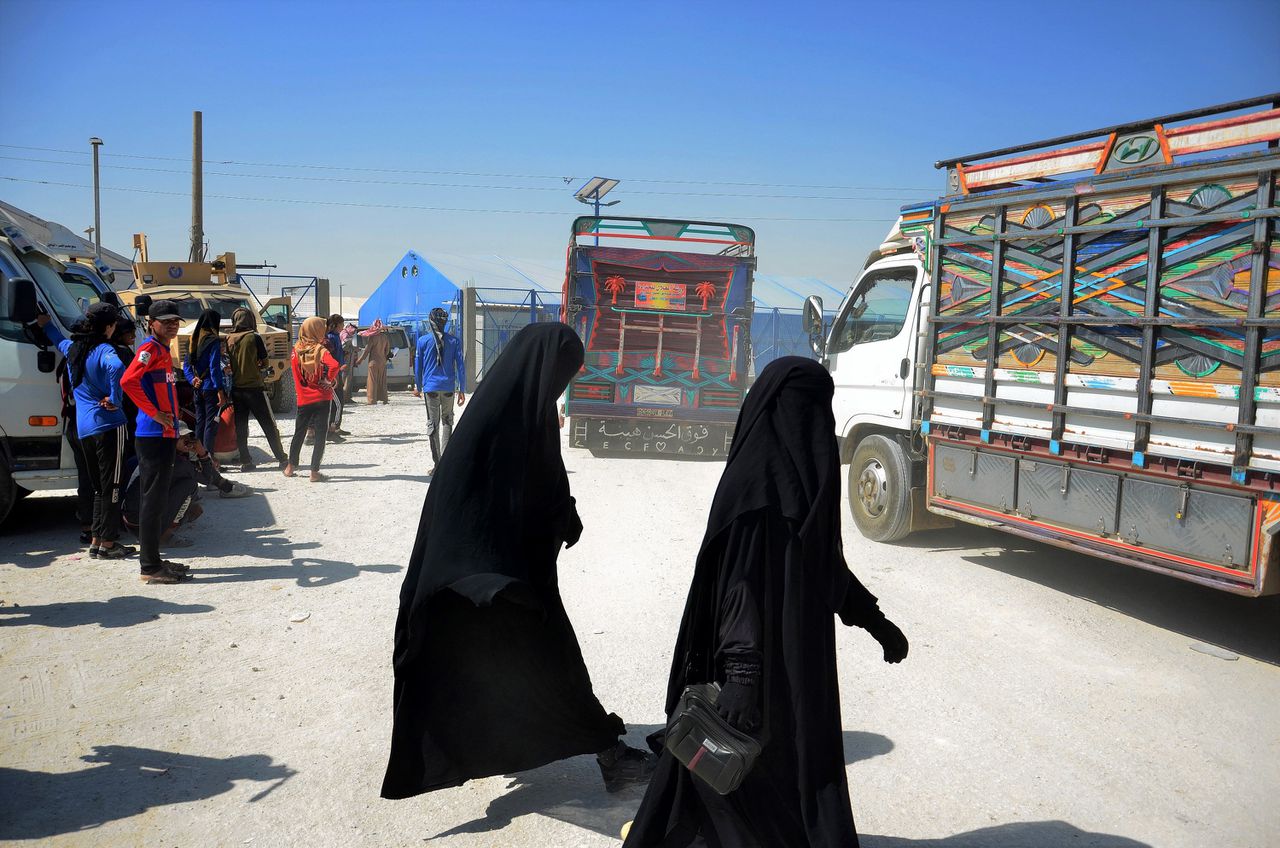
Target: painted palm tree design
(705,290)
(614,286)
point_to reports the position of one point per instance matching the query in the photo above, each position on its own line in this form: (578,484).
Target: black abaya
(489,678)
(769,580)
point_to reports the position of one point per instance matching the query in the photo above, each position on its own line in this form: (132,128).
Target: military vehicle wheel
(880,489)
(282,396)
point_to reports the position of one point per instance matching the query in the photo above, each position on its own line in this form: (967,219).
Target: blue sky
(698,108)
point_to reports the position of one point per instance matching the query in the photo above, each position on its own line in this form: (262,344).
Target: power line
(563,178)
(407,183)
(354,205)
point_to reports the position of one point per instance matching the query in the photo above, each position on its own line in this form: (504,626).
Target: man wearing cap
(149,381)
(439,368)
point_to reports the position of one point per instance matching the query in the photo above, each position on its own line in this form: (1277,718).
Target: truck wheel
(9,490)
(282,397)
(880,489)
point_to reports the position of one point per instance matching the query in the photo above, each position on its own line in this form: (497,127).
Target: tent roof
(546,277)
(411,290)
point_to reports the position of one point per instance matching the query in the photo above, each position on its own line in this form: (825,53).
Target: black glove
(893,640)
(739,704)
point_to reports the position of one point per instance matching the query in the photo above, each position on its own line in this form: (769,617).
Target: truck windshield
(189,308)
(877,312)
(53,289)
(81,287)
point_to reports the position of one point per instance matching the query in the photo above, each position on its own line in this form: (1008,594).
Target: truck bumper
(646,436)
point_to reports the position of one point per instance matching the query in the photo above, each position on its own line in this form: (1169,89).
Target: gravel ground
(1049,700)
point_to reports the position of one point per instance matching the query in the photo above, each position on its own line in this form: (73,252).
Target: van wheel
(880,489)
(10,493)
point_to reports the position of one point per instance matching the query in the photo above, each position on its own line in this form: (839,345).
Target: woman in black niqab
(489,678)
(769,580)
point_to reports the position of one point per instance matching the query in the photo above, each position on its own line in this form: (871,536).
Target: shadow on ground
(1244,626)
(39,530)
(571,791)
(117,612)
(307,572)
(122,782)
(1045,834)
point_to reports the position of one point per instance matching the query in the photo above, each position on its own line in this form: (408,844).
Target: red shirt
(149,382)
(311,390)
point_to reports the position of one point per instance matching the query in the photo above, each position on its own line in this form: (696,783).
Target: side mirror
(142,305)
(813,325)
(24,307)
(111,298)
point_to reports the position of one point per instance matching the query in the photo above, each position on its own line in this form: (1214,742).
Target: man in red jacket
(149,382)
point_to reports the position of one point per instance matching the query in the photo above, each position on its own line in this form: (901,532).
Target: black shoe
(93,551)
(335,439)
(116,551)
(622,766)
(178,568)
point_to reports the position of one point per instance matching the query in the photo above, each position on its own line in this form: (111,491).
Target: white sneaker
(238,490)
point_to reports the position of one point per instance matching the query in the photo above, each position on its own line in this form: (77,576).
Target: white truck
(62,281)
(1080,343)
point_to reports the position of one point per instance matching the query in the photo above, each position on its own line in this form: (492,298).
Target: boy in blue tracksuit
(94,370)
(438,368)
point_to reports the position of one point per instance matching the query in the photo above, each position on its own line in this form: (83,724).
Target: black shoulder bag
(711,748)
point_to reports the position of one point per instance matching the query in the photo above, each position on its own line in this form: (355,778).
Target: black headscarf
(205,333)
(502,478)
(785,455)
(436,321)
(86,335)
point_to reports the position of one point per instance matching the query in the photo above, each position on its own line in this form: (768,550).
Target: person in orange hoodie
(315,372)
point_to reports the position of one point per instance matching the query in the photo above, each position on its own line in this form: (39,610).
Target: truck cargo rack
(1008,221)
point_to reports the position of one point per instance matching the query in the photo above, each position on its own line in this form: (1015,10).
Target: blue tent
(409,293)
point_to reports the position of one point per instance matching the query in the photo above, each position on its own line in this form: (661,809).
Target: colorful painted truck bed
(1103,359)
(666,332)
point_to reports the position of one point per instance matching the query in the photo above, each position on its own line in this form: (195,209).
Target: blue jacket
(435,375)
(334,342)
(102,372)
(210,365)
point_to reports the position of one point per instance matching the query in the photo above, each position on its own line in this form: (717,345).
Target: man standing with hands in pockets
(438,368)
(149,382)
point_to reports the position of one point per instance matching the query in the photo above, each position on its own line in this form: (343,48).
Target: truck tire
(282,396)
(880,489)
(10,493)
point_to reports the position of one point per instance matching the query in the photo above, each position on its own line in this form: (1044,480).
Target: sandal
(163,575)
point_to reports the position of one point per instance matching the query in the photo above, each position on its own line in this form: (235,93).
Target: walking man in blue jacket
(439,368)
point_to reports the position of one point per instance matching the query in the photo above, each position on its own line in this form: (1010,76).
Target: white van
(33,454)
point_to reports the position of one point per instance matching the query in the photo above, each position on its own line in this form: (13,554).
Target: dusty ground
(1050,700)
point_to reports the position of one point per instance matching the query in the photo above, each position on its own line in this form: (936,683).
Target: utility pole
(95,143)
(197,188)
